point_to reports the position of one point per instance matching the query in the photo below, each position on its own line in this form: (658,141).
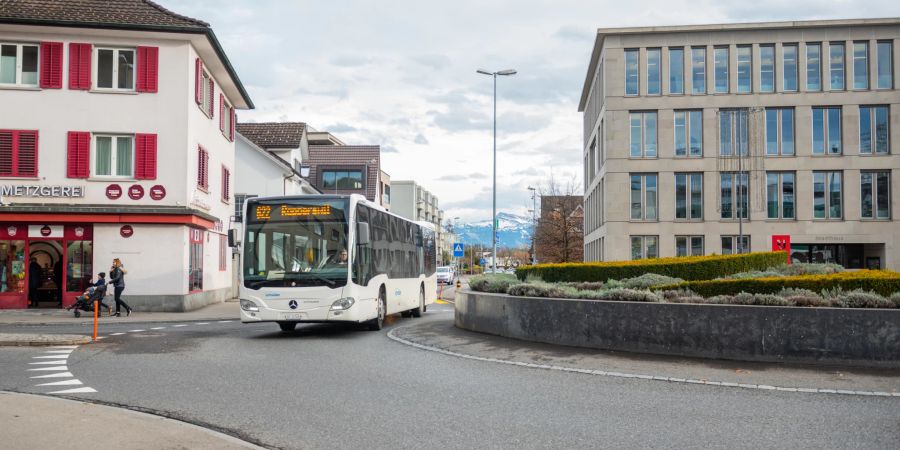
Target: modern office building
(409,199)
(725,138)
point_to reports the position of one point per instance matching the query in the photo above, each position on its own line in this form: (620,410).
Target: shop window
(12,266)
(79,268)
(195,269)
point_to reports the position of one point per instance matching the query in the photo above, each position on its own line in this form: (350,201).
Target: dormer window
(115,69)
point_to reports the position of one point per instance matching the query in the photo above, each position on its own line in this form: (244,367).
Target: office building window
(654,71)
(875,193)
(884,56)
(873,130)
(643,134)
(698,70)
(632,86)
(860,65)
(814,67)
(733,132)
(643,196)
(676,70)
(644,247)
(826,130)
(767,68)
(744,68)
(780,195)
(734,194)
(735,244)
(720,59)
(688,245)
(689,133)
(780,131)
(836,66)
(789,66)
(689,196)
(827,195)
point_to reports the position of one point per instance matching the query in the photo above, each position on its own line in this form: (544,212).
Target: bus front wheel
(287,326)
(378,322)
(418,311)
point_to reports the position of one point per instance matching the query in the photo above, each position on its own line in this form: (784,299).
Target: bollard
(441,291)
(96,317)
(458,283)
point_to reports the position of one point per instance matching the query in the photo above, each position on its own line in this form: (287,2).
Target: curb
(41,340)
(762,387)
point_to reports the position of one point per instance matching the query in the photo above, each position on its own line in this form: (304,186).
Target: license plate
(292,316)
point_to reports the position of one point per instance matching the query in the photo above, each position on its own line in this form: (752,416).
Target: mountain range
(512,231)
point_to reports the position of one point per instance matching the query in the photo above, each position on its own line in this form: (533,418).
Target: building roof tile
(269,135)
(97,12)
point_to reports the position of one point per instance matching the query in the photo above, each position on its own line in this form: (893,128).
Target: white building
(411,200)
(117,141)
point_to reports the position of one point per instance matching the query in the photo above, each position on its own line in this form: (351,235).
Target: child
(100,284)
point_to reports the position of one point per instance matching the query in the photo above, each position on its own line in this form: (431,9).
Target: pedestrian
(117,279)
(101,283)
(35,275)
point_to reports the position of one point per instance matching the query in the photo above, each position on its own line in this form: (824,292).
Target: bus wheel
(418,311)
(378,322)
(287,326)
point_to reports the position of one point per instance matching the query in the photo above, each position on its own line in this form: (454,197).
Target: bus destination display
(269,212)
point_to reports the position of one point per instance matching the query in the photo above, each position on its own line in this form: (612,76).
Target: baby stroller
(85,302)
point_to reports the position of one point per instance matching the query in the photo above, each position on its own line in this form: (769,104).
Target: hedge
(686,267)
(882,282)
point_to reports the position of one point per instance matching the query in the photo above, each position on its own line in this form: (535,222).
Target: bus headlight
(341,304)
(248,305)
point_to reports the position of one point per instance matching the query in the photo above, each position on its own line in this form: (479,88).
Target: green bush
(884,283)
(648,280)
(687,268)
(536,290)
(497,283)
(785,270)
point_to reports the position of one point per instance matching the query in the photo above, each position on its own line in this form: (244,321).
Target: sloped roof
(97,12)
(273,134)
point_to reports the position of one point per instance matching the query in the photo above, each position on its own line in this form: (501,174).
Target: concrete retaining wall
(172,303)
(859,337)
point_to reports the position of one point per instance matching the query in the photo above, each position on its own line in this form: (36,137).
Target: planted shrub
(895,299)
(535,290)
(680,296)
(630,295)
(808,269)
(882,282)
(687,267)
(862,299)
(649,280)
(586,285)
(496,284)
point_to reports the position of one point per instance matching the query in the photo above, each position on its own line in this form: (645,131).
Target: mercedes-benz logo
(293,304)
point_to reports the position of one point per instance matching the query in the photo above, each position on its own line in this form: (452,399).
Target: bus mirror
(362,233)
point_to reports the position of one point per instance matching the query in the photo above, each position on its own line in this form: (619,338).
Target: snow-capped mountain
(513,231)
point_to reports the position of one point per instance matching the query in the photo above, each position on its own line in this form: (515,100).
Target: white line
(116,334)
(202,323)
(392,336)
(136,331)
(59,361)
(226,321)
(56,368)
(157,328)
(68,347)
(83,390)
(182,325)
(71,382)
(61,352)
(101,337)
(51,356)
(56,375)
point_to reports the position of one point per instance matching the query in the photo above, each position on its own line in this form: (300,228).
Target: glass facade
(644,197)
(826,131)
(643,134)
(836,66)
(779,131)
(767,68)
(720,59)
(885,65)
(813,67)
(860,65)
(827,195)
(744,69)
(688,245)
(698,70)
(632,83)
(734,194)
(689,133)
(875,195)
(676,70)
(874,130)
(689,196)
(780,195)
(644,247)
(654,71)
(789,65)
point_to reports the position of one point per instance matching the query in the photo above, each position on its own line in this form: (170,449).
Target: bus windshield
(296,242)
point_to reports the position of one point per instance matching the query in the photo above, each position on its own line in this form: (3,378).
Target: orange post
(441,292)
(96,317)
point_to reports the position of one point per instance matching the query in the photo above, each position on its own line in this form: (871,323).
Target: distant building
(559,234)
(347,169)
(410,200)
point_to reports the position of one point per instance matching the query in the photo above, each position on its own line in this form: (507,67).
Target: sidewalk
(219,311)
(33,421)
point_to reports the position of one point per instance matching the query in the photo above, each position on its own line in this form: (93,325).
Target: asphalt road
(326,386)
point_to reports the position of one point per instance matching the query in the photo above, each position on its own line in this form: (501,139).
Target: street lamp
(533,223)
(507,72)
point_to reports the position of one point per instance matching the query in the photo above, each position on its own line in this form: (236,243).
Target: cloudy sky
(401,74)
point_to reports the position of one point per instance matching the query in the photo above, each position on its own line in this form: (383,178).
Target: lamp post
(507,72)
(533,223)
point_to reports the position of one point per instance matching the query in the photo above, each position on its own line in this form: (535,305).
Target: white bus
(332,258)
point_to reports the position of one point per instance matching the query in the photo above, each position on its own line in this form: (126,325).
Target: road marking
(60,361)
(202,323)
(67,347)
(157,328)
(226,321)
(136,331)
(56,375)
(181,325)
(57,368)
(60,351)
(62,383)
(101,337)
(51,356)
(396,338)
(82,390)
(116,334)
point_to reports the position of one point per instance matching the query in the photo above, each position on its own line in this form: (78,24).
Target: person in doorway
(58,280)
(35,273)
(117,279)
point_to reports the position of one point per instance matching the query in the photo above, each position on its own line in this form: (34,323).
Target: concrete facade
(410,200)
(850,239)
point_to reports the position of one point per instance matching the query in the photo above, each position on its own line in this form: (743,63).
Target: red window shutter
(202,168)
(26,161)
(212,98)
(80,66)
(145,156)
(78,162)
(231,131)
(226,184)
(198,77)
(7,153)
(51,65)
(222,112)
(147,69)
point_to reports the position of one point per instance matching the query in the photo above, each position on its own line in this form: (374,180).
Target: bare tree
(559,234)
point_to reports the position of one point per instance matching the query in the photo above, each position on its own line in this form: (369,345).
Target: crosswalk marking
(56,368)
(180,325)
(65,352)
(157,328)
(136,331)
(67,347)
(60,361)
(56,375)
(82,390)
(51,356)
(116,334)
(72,382)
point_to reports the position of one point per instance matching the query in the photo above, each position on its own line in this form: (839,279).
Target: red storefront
(44,263)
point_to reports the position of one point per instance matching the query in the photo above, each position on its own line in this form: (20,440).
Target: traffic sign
(458,250)
(483,262)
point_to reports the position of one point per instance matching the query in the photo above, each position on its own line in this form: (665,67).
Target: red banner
(782,243)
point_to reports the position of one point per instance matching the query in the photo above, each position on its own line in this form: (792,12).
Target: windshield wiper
(259,283)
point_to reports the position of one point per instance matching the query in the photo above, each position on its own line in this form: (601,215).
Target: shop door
(45,273)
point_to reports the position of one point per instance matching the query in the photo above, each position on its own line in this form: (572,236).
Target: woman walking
(117,279)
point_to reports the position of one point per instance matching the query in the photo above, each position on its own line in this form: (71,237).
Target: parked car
(445,275)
